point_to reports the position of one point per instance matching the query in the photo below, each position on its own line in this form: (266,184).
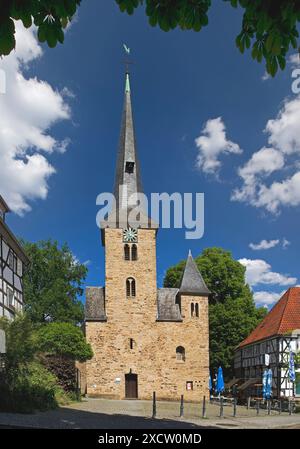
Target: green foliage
(224,276)
(64,370)
(297,358)
(230,322)
(269,27)
(49,16)
(63,339)
(19,345)
(34,391)
(52,283)
(27,383)
(37,390)
(232,312)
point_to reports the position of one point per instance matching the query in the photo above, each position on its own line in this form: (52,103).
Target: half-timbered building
(269,346)
(12,263)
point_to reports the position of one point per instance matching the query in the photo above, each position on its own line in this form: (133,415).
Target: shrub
(27,384)
(63,339)
(63,369)
(33,389)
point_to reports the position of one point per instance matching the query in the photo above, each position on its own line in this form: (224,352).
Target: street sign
(267,359)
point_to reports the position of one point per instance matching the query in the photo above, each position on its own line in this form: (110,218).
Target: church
(144,338)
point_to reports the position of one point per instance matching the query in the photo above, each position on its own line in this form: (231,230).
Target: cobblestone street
(112,414)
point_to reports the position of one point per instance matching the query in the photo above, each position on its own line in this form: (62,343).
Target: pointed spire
(192,282)
(127,83)
(127,177)
(127,171)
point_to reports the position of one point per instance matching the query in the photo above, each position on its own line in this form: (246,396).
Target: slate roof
(282,319)
(167,308)
(95,304)
(127,151)
(131,181)
(192,282)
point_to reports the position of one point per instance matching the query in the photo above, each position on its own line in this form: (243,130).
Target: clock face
(130,235)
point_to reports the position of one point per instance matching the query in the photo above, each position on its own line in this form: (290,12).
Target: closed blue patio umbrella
(292,374)
(220,381)
(264,383)
(269,384)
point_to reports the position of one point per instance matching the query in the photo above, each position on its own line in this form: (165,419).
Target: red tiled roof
(283,318)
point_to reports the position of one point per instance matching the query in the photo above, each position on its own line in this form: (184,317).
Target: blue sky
(182,82)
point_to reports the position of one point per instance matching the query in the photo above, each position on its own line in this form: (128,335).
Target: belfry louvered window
(130,252)
(126,252)
(129,167)
(192,309)
(130,287)
(134,252)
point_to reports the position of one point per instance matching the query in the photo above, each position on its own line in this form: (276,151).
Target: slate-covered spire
(127,169)
(192,282)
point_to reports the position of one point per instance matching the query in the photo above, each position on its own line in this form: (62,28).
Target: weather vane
(127,60)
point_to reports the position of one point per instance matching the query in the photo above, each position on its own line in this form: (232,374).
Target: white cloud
(266,76)
(294,60)
(258,271)
(264,244)
(267,244)
(77,261)
(284,139)
(27,110)
(285,243)
(211,144)
(266,299)
(284,130)
(262,163)
(284,193)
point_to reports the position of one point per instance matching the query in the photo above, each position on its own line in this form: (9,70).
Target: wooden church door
(131,386)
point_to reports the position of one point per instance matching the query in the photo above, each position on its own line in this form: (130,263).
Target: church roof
(95,304)
(192,282)
(127,177)
(167,307)
(126,174)
(282,319)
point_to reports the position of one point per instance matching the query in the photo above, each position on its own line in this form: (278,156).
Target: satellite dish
(2,342)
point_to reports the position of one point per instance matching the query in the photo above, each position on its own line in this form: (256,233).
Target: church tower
(130,248)
(144,339)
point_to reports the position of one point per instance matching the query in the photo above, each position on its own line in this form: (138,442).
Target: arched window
(130,287)
(126,252)
(180,353)
(197,309)
(192,309)
(134,252)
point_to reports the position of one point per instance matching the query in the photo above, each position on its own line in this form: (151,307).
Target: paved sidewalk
(112,414)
